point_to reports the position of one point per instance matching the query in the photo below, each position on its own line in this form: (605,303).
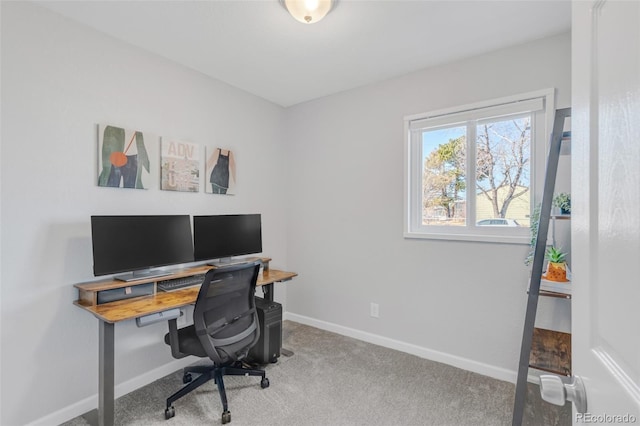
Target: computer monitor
(138,243)
(224,236)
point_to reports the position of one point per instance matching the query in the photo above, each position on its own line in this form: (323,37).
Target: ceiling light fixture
(308,11)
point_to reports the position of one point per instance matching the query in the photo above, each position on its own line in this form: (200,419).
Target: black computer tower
(268,347)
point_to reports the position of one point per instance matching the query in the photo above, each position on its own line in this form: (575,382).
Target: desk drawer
(106,296)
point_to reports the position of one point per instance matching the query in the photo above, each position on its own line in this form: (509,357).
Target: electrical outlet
(375,310)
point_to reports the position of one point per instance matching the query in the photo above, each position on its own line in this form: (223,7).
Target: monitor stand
(228,261)
(141,275)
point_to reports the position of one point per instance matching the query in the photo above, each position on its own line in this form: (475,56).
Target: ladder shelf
(542,349)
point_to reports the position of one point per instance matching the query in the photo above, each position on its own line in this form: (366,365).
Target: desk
(109,314)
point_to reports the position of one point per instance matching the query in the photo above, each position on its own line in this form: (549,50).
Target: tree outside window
(444,177)
(503,158)
(502,172)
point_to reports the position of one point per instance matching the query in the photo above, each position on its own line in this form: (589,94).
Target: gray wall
(458,302)
(59,80)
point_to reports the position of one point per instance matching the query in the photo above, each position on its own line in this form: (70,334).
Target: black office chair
(225,327)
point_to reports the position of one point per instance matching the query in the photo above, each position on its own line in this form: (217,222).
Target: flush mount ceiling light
(308,11)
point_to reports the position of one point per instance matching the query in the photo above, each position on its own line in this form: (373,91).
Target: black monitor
(225,236)
(138,243)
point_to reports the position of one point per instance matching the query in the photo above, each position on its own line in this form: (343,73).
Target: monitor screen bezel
(198,233)
(101,268)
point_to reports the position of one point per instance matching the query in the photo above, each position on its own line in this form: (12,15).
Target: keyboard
(180,283)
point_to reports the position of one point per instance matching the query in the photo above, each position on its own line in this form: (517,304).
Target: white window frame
(414,125)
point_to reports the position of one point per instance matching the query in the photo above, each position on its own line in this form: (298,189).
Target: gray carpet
(337,380)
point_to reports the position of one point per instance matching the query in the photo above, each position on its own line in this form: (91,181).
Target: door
(605,224)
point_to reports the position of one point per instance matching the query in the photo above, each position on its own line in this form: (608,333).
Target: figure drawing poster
(123,159)
(220,175)
(180,166)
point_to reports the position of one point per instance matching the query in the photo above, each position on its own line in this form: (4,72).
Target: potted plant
(563,202)
(533,227)
(557,267)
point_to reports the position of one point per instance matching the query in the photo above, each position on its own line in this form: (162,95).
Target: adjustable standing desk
(109,314)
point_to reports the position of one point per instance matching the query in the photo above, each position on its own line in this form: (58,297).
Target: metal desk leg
(106,400)
(267,292)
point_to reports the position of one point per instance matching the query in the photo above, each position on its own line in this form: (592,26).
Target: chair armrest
(173,339)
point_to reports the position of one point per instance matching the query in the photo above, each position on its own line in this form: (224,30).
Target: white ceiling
(256,46)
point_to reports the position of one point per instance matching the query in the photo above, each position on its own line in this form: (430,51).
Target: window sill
(470,237)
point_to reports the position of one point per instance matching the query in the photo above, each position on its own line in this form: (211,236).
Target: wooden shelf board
(111,283)
(554,294)
(551,351)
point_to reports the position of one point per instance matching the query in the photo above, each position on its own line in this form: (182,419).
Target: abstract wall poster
(220,172)
(123,159)
(180,166)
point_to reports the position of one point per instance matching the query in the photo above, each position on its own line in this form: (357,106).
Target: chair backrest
(225,316)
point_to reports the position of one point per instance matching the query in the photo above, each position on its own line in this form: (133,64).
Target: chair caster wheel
(264,383)
(226,417)
(169,412)
(187,378)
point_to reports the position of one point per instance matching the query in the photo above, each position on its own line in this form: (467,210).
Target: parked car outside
(498,222)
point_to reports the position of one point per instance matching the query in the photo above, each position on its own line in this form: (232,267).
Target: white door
(605,224)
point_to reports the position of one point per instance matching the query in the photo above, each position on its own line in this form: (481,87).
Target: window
(472,170)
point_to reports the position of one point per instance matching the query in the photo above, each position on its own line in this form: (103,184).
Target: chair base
(216,373)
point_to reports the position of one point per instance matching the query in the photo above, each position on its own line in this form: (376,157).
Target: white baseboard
(433,355)
(91,403)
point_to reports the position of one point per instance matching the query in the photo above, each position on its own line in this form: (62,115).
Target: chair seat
(188,342)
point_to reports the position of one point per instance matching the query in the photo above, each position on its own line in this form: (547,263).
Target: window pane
(503,149)
(443,176)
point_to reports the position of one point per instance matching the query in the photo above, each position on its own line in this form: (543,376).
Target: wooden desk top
(126,309)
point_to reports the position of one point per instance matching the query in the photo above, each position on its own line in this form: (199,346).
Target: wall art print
(123,159)
(220,172)
(180,166)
